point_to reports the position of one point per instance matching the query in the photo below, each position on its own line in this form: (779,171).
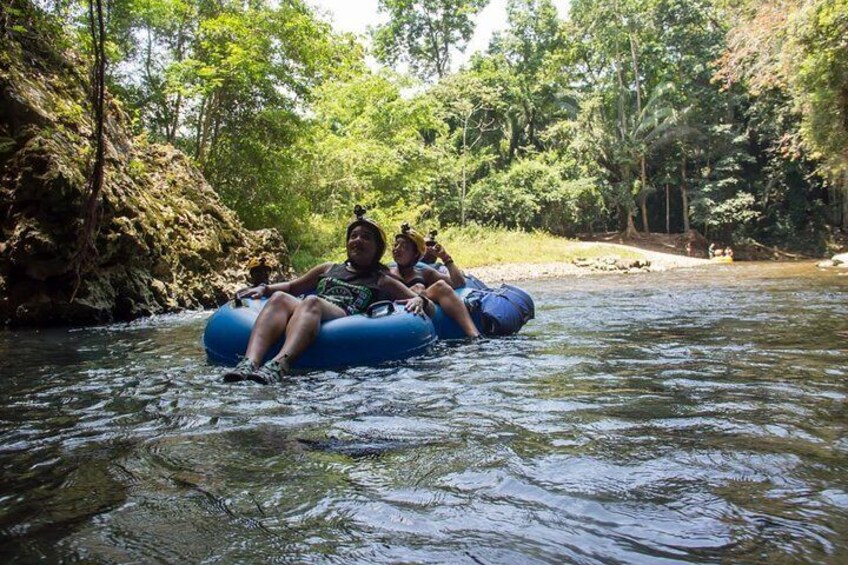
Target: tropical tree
(370,144)
(469,108)
(537,193)
(622,142)
(423,33)
(523,64)
(624,51)
(799,48)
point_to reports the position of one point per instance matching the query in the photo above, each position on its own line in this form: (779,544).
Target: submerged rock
(165,241)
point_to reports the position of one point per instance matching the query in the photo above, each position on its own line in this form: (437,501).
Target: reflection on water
(692,416)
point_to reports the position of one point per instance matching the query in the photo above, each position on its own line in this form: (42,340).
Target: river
(692,416)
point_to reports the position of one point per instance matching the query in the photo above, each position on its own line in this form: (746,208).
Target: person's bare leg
(304,325)
(270,325)
(302,329)
(452,304)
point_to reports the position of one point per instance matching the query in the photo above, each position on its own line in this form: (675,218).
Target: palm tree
(626,140)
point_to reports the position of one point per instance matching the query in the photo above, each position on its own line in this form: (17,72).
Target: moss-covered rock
(165,240)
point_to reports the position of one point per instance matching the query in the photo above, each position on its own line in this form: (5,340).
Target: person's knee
(439,289)
(282,301)
(311,304)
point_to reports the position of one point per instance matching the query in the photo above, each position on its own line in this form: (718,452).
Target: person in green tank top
(340,290)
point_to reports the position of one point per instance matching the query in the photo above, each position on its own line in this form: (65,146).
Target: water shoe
(240,372)
(272,372)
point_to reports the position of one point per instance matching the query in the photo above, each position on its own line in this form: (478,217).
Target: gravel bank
(495,274)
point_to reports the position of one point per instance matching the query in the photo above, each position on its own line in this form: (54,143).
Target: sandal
(240,372)
(272,372)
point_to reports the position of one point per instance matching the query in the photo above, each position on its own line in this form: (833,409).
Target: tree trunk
(208,121)
(643,211)
(215,128)
(643,198)
(631,231)
(174,126)
(175,119)
(205,125)
(684,194)
(636,74)
(845,202)
(513,141)
(462,193)
(621,112)
(643,174)
(464,165)
(624,220)
(531,130)
(438,57)
(198,130)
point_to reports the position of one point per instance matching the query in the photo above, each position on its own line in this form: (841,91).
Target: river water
(694,416)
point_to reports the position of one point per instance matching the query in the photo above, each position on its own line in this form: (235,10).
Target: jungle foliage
(639,115)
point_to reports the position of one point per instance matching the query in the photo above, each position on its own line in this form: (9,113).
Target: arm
(432,276)
(415,303)
(456,278)
(304,283)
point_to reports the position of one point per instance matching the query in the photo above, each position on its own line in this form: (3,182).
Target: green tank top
(352,292)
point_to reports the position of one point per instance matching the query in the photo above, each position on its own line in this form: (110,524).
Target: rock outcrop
(612,264)
(839,260)
(165,241)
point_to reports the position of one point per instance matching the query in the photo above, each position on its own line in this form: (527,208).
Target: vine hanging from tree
(87,249)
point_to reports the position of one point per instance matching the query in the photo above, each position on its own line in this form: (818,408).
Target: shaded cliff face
(165,242)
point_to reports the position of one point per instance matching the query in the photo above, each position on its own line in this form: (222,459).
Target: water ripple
(679,417)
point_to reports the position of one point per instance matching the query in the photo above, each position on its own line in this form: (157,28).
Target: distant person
(719,252)
(433,252)
(711,250)
(688,248)
(341,289)
(408,249)
(728,252)
(259,272)
(430,246)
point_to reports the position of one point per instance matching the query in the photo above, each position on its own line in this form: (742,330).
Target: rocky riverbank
(646,261)
(164,241)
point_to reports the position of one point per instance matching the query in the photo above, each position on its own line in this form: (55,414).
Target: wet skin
(405,254)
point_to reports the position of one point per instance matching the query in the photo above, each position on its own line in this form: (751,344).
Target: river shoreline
(656,262)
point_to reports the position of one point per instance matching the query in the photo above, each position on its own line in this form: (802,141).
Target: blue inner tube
(447,328)
(388,334)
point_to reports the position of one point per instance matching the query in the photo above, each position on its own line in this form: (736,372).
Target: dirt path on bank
(659,261)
